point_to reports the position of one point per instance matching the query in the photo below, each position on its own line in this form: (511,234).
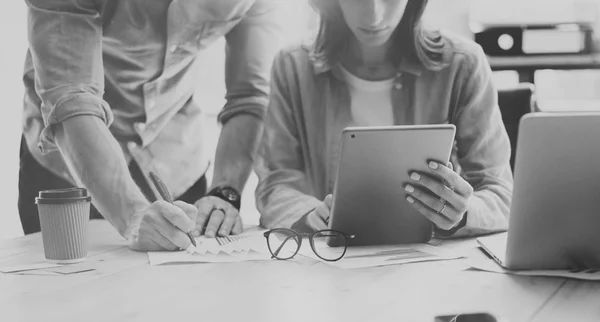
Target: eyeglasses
(285,243)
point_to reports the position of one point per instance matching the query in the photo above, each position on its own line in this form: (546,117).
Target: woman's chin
(373,41)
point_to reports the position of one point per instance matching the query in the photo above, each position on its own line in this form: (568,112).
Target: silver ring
(442,210)
(443,206)
(218,208)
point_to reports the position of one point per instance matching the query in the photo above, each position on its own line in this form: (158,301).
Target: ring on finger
(219,209)
(443,206)
(441,211)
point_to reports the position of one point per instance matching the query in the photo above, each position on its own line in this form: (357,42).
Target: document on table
(494,267)
(495,246)
(45,268)
(370,256)
(250,246)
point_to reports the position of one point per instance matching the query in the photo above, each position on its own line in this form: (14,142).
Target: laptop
(555,212)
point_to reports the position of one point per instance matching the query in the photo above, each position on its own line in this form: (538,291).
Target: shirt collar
(407,65)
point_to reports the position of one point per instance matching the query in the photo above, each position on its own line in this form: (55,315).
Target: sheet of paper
(240,243)
(371,256)
(159,258)
(39,272)
(44,268)
(495,246)
(494,267)
(27,267)
(250,246)
(73,268)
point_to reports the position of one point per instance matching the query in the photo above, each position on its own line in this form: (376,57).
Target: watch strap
(218,192)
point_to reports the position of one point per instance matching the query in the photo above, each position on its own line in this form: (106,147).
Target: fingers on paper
(238,227)
(204,206)
(214,222)
(231,215)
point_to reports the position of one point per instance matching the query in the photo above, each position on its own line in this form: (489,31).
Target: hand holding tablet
(441,195)
(369,199)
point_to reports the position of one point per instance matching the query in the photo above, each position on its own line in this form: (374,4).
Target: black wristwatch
(228,194)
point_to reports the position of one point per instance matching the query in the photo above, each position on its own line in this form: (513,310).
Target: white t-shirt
(371,100)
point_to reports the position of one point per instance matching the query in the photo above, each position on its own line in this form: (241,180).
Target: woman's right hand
(316,219)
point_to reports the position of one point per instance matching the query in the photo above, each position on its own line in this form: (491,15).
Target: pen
(164,193)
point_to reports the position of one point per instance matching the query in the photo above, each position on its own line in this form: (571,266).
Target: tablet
(369,200)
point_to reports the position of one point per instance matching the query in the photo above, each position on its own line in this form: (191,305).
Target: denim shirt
(134,64)
(310,106)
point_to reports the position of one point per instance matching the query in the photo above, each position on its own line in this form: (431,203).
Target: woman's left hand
(442,196)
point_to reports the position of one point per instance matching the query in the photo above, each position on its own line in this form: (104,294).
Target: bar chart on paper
(396,255)
(371,256)
(250,246)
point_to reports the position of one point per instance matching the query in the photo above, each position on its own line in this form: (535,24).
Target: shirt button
(150,104)
(398,86)
(140,127)
(173,49)
(132,145)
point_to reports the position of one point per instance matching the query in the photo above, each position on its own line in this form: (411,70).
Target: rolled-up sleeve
(283,193)
(65,40)
(483,147)
(251,46)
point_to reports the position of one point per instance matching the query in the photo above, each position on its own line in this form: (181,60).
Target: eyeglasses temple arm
(282,244)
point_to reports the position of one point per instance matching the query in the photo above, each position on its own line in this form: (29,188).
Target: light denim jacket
(135,64)
(310,106)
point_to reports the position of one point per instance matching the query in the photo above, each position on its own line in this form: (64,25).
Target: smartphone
(468,317)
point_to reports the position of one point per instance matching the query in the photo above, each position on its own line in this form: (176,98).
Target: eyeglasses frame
(300,236)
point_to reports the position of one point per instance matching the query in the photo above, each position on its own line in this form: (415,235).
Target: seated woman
(373,64)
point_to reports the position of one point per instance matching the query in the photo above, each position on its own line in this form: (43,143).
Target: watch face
(229,194)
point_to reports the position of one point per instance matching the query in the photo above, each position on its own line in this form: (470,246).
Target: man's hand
(162,226)
(217,217)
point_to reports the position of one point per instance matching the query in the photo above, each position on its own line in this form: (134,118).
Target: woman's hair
(410,38)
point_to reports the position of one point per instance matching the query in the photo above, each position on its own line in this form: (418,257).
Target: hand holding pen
(166,195)
(162,225)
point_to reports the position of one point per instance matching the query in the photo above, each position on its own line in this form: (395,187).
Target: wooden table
(124,287)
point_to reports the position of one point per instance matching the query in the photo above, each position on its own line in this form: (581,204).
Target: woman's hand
(317,219)
(441,195)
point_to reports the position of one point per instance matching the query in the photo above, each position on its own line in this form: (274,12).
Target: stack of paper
(250,246)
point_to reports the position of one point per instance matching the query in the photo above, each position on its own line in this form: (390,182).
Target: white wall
(12,53)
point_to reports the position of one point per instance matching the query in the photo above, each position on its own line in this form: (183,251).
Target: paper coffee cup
(64,215)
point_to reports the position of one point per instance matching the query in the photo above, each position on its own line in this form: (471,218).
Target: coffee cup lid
(74,192)
(63,195)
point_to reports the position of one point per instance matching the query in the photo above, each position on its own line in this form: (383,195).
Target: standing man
(109,98)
